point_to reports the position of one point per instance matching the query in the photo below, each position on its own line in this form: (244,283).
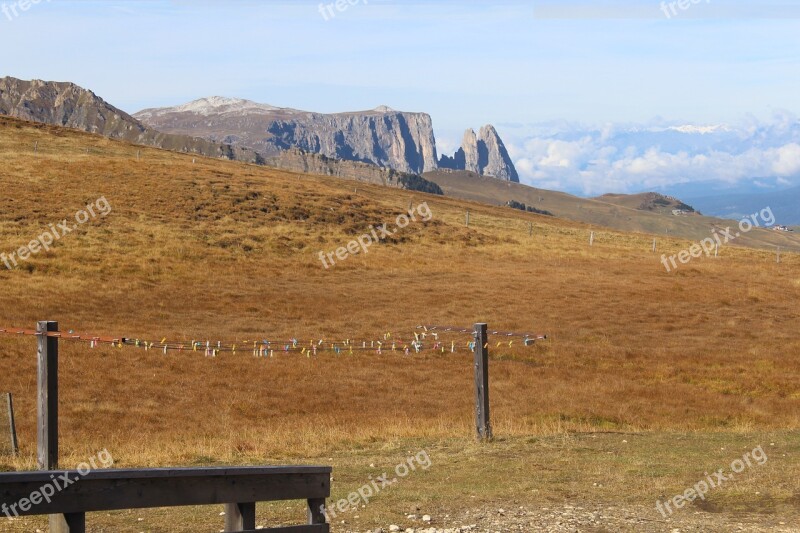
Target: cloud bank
(626,158)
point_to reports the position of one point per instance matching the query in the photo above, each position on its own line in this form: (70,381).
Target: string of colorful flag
(425,339)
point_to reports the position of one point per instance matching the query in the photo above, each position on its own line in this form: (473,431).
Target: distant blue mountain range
(785,205)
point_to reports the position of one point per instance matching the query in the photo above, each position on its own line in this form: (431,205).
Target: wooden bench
(113,490)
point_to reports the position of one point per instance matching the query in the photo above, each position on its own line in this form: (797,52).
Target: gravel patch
(586,518)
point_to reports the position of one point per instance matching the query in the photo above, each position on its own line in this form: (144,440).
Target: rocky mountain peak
(471,151)
(212,105)
(498,161)
(483,154)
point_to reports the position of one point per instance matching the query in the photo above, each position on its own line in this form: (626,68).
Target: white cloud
(631,158)
(788,163)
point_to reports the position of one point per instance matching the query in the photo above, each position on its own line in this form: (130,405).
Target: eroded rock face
(67,104)
(483,154)
(382,137)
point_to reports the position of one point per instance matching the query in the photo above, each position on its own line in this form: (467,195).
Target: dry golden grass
(218,250)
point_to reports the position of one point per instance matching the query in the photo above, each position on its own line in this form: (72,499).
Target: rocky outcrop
(382,137)
(66,104)
(484,154)
(495,159)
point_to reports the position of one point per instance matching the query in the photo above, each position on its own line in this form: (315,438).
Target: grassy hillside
(647,201)
(620,212)
(216,250)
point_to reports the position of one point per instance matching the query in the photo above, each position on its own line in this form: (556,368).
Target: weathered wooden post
(467,217)
(591,239)
(654,246)
(47,408)
(47,419)
(482,421)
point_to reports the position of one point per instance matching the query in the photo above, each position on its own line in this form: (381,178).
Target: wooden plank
(482,420)
(108,490)
(47,406)
(240,516)
(147,473)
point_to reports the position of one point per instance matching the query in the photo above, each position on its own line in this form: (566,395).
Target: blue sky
(466,63)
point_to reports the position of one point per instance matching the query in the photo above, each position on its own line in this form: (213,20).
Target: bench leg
(315,511)
(240,516)
(68,523)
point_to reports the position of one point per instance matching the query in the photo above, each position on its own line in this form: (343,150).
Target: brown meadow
(215,250)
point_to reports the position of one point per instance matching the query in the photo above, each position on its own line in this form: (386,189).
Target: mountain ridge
(385,137)
(69,105)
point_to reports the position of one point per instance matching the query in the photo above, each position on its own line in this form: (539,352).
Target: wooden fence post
(47,418)
(482,421)
(467,217)
(47,421)
(591,239)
